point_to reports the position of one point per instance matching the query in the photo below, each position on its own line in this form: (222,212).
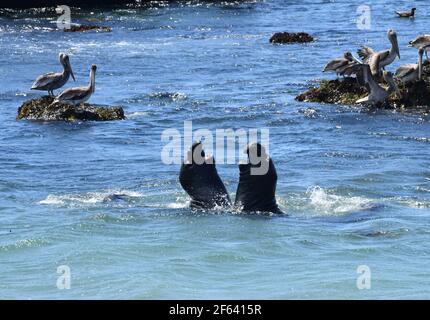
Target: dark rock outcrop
(84,27)
(348,91)
(344,91)
(287,37)
(43,109)
(54,3)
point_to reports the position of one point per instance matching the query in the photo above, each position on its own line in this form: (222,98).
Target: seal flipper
(256,192)
(203,184)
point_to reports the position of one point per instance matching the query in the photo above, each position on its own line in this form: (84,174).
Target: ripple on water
(397,137)
(23,244)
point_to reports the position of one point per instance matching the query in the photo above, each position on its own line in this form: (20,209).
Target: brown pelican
(80,94)
(338,65)
(54,80)
(377,93)
(386,57)
(406,14)
(411,72)
(422,41)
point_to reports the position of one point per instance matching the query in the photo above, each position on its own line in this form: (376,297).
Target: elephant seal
(200,179)
(257,182)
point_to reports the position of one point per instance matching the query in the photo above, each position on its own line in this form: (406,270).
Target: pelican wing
(374,62)
(365,52)
(351,69)
(45,80)
(347,70)
(405,70)
(357,69)
(384,55)
(72,94)
(335,64)
(367,74)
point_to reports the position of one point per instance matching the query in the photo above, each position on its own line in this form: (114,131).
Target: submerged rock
(41,109)
(348,91)
(84,27)
(287,37)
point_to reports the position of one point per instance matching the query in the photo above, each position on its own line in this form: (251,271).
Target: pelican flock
(370,72)
(55,80)
(52,80)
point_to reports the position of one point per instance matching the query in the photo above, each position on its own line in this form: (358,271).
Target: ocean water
(96,197)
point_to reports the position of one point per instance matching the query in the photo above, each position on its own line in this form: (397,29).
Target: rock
(415,94)
(345,91)
(348,91)
(286,37)
(41,109)
(87,27)
(54,3)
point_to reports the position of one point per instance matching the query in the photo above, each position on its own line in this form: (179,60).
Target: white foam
(87,198)
(177,205)
(413,203)
(332,204)
(180,203)
(52,199)
(136,114)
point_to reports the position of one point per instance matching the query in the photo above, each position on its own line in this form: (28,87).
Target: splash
(332,204)
(177,205)
(180,203)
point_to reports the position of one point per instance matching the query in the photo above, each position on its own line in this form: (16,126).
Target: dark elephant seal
(257,182)
(200,179)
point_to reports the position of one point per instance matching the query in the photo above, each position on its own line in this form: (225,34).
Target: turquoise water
(97,197)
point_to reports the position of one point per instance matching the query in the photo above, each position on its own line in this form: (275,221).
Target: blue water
(354,183)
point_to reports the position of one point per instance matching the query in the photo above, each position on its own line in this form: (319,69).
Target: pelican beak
(71,72)
(396,45)
(70,68)
(420,64)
